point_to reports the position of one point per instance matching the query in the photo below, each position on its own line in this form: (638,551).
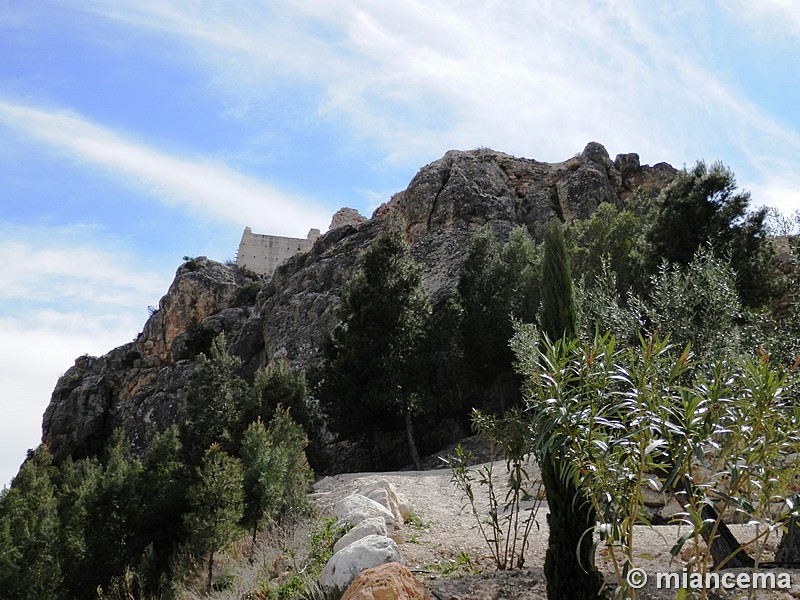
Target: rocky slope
(141,386)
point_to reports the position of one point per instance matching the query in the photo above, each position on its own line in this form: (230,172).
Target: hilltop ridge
(141,386)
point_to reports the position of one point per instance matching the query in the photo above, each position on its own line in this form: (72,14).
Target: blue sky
(134,132)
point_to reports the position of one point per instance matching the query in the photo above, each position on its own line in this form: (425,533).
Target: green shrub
(190,263)
(246,295)
(719,437)
(304,582)
(198,338)
(509,521)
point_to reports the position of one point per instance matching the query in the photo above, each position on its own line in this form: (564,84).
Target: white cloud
(774,17)
(37,270)
(63,293)
(417,78)
(34,353)
(205,188)
(778,192)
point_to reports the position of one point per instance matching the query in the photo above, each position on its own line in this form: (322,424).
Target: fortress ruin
(263,254)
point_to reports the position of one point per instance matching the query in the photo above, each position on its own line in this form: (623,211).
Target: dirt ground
(446,551)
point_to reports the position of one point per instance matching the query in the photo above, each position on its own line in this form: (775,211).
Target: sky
(136,132)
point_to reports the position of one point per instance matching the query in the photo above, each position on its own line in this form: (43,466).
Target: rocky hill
(142,385)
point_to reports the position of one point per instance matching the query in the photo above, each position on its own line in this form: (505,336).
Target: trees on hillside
(371,377)
(217,504)
(496,286)
(29,563)
(702,206)
(67,529)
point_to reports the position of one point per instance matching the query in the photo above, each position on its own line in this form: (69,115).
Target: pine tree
(278,384)
(370,379)
(77,483)
(261,488)
(276,473)
(111,510)
(569,565)
(702,206)
(215,403)
(29,564)
(290,441)
(496,285)
(217,505)
(161,500)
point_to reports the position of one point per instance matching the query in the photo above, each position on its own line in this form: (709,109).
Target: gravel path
(446,550)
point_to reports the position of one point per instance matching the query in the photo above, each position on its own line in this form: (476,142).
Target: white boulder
(345,565)
(370,526)
(385,494)
(355,508)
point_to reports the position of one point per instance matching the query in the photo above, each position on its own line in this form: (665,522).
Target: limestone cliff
(141,386)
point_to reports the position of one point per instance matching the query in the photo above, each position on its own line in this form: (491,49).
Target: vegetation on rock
(675,367)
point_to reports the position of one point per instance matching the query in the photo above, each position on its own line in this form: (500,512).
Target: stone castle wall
(263,253)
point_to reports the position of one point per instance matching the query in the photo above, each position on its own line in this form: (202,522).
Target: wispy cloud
(776,17)
(537,79)
(205,188)
(42,266)
(64,292)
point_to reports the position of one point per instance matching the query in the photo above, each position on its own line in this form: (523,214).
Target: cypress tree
(569,565)
(557,318)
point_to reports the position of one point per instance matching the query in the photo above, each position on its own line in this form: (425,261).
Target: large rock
(385,494)
(355,508)
(141,386)
(391,581)
(201,288)
(344,566)
(370,526)
(346,216)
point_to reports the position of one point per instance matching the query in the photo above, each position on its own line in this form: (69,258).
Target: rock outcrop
(346,216)
(141,386)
